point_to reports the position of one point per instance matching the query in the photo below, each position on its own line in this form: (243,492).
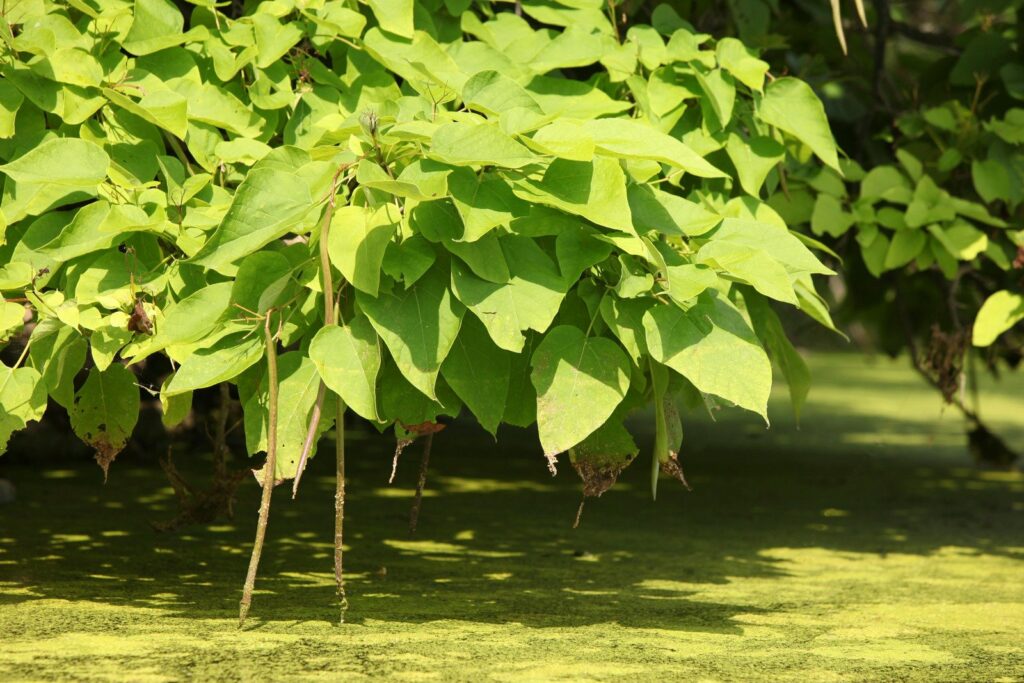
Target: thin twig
(417,503)
(339,511)
(329,319)
(269,472)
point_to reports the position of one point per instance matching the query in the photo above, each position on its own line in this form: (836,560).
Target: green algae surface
(861,547)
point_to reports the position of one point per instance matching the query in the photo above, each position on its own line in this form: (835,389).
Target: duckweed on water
(822,554)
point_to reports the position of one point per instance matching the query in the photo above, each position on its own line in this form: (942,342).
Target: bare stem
(417,503)
(307,446)
(329,319)
(339,511)
(268,473)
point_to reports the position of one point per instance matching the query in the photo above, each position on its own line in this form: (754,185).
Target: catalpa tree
(405,210)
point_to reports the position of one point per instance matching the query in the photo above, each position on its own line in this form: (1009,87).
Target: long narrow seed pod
(339,511)
(268,474)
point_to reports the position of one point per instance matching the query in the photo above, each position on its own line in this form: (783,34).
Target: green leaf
(96,226)
(71,65)
(260,280)
(188,320)
(904,248)
(577,250)
(751,265)
(348,359)
(689,280)
(566,139)
(754,159)
(495,94)
(769,330)
(358,239)
(719,95)
(961,239)
(408,260)
(579,382)
(12,318)
(208,104)
(992,180)
(394,16)
(713,347)
(107,340)
(529,301)
(741,63)
(105,410)
(273,39)
(1000,312)
(624,317)
(298,385)
(267,205)
(400,402)
(64,165)
(595,190)
(774,241)
(791,106)
(484,257)
(521,401)
(174,409)
(58,353)
(577,46)
(630,139)
(223,361)
(10,101)
(829,218)
(484,202)
(418,325)
(22,400)
(157,25)
(163,108)
(565,97)
(478,144)
(634,278)
(479,373)
(669,214)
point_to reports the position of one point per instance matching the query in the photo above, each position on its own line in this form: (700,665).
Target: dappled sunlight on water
(854,548)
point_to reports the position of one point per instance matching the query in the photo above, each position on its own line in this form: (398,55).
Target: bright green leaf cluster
(539,221)
(916,215)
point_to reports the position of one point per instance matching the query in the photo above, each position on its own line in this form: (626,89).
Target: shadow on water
(495,543)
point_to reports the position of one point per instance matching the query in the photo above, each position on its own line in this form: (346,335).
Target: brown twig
(268,473)
(417,503)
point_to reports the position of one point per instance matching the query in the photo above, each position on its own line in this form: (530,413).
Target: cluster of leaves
(936,218)
(545,221)
(903,216)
